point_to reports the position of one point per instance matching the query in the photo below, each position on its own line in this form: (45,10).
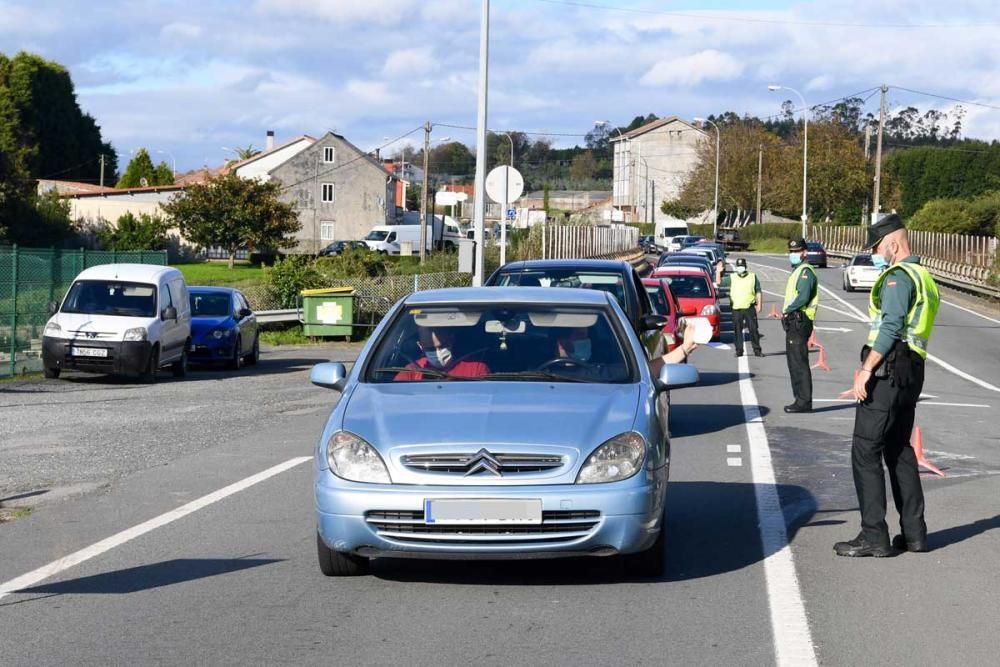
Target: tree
(147,232)
(584,167)
(163,175)
(234,213)
(246,153)
(139,167)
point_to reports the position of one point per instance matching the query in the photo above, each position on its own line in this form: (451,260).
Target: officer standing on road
(903,305)
(801,300)
(746,301)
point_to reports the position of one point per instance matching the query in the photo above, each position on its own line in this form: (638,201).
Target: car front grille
(557,526)
(463,464)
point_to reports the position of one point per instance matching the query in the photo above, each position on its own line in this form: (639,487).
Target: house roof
(71,187)
(114,192)
(236,165)
(654,125)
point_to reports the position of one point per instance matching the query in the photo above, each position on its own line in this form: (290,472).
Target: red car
(664,303)
(695,293)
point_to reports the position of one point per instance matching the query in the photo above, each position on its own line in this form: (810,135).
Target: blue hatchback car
(223,327)
(496,423)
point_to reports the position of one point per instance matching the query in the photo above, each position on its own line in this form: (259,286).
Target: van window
(177,292)
(105,297)
(165,301)
(391,238)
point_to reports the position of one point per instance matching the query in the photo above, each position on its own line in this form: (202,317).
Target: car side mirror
(676,376)
(651,322)
(169,313)
(53,307)
(330,375)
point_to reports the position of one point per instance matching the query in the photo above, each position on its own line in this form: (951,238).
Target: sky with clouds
(193,76)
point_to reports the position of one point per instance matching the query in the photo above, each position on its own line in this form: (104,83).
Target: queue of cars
(134,319)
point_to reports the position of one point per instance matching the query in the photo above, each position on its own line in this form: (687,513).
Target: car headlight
(52,329)
(709,310)
(617,459)
(220,333)
(138,333)
(353,459)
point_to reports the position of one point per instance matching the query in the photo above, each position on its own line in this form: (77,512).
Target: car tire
(335,564)
(254,356)
(51,373)
(648,564)
(148,376)
(236,363)
(847,286)
(180,367)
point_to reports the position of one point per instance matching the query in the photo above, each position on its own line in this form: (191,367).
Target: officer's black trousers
(797,356)
(882,427)
(745,317)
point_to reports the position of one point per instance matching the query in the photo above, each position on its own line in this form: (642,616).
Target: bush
(289,276)
(772,230)
(147,232)
(352,264)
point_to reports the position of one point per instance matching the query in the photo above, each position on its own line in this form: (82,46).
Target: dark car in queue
(648,244)
(816,254)
(615,277)
(223,327)
(337,248)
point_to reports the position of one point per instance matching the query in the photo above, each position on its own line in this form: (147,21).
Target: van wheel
(335,564)
(236,363)
(51,373)
(180,367)
(254,356)
(149,375)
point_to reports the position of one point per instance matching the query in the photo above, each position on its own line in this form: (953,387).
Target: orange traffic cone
(822,359)
(812,342)
(850,392)
(774,312)
(917,442)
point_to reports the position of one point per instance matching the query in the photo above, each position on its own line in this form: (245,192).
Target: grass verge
(13,513)
(772,245)
(219,273)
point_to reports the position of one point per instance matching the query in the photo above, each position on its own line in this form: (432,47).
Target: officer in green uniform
(801,300)
(904,303)
(745,300)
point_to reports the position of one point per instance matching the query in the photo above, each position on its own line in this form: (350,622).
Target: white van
(122,319)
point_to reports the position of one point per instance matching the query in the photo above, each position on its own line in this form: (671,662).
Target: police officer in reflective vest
(801,300)
(904,303)
(746,302)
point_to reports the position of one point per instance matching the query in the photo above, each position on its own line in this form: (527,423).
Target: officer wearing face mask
(801,301)
(437,346)
(902,307)
(746,301)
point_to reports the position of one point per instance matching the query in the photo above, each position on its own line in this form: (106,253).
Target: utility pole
(480,212)
(760,173)
(102,169)
(423,193)
(868,155)
(878,154)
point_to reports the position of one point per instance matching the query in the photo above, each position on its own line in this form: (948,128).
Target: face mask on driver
(581,350)
(439,357)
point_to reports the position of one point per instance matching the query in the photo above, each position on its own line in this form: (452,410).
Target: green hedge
(771,230)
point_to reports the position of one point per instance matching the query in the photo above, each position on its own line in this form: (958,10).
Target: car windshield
(690,285)
(210,304)
(516,342)
(377,235)
(863,260)
(105,297)
(814,246)
(658,299)
(606,281)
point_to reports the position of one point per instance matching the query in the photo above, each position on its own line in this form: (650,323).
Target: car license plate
(88,351)
(483,511)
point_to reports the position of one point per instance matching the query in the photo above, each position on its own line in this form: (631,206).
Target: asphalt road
(236,580)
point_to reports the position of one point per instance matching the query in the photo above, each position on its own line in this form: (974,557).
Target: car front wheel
(180,367)
(649,563)
(51,373)
(335,564)
(237,360)
(254,356)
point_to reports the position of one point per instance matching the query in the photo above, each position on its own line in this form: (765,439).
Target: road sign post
(504,184)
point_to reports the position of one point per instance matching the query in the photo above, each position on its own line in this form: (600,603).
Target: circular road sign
(503,176)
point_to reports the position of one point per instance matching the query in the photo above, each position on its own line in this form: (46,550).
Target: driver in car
(437,345)
(576,347)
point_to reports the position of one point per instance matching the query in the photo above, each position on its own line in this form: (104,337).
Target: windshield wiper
(534,375)
(431,372)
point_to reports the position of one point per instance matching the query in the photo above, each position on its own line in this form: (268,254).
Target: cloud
(382,12)
(180,30)
(405,62)
(369,92)
(709,65)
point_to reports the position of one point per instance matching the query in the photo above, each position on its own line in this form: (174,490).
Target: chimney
(269,143)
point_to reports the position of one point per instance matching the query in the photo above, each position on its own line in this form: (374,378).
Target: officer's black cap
(741,262)
(797,245)
(885,226)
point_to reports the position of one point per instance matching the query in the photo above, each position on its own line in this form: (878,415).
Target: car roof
(616,264)
(128,272)
(210,288)
(654,281)
(574,296)
(693,270)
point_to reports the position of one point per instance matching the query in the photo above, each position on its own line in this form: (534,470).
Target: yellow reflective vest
(923,310)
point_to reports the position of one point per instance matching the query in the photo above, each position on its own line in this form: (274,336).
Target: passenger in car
(437,345)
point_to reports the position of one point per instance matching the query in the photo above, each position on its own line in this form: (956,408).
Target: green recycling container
(327,312)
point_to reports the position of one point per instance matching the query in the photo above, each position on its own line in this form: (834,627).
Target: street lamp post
(805,149)
(481,119)
(645,185)
(607,123)
(715,209)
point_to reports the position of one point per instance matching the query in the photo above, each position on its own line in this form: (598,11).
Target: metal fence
(573,241)
(29,279)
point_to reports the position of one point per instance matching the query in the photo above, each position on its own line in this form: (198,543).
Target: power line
(76,166)
(535,134)
(749,19)
(945,97)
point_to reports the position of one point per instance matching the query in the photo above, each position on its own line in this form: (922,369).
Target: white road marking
(821,305)
(118,539)
(792,639)
(734,449)
(720,346)
(970,311)
(837,329)
(734,462)
(861,317)
(922,403)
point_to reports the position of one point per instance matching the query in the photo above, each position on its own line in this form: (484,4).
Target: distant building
(652,163)
(566,200)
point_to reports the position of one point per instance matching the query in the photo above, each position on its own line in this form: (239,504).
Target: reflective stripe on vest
(923,310)
(741,290)
(791,292)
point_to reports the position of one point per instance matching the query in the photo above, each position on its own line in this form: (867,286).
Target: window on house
(327,193)
(328,154)
(326,231)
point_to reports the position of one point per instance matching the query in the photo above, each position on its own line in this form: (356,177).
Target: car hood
(202,324)
(569,419)
(104,327)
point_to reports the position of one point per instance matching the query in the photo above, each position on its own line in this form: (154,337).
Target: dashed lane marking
(792,639)
(118,539)
(734,449)
(734,462)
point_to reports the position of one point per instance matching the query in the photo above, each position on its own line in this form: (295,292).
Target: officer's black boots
(859,547)
(918,546)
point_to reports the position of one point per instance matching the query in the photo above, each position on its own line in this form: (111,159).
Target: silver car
(496,423)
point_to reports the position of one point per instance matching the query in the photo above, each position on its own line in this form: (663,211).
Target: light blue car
(496,423)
